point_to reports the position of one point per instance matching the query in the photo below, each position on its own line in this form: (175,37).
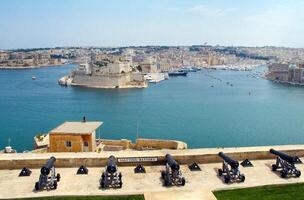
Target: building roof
(77,127)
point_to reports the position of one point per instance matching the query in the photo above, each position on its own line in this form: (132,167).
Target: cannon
(230,169)
(286,164)
(172,174)
(48,178)
(111,177)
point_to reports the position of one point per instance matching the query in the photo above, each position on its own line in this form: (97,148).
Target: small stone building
(74,137)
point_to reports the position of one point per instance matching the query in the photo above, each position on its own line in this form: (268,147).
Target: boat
(65,81)
(33,77)
(155,77)
(166,76)
(191,69)
(8,149)
(178,73)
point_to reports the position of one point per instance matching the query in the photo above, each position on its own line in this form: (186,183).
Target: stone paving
(199,184)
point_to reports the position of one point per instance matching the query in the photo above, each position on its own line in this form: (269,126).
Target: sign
(137,159)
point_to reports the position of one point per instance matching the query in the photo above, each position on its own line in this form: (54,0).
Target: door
(85,146)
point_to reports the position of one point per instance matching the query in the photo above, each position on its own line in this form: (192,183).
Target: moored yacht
(180,72)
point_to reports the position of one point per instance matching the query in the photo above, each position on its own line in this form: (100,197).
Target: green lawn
(132,197)
(274,192)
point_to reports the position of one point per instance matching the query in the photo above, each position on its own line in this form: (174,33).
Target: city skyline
(39,24)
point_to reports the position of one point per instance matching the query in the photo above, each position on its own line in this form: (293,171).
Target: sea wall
(152,157)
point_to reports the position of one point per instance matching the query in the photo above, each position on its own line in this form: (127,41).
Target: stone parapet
(187,156)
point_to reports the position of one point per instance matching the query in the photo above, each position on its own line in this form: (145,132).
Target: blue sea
(200,109)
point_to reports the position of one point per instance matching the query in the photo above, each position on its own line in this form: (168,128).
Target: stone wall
(188,156)
(102,80)
(159,144)
(145,144)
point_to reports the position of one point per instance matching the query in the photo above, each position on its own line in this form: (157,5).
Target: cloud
(210,11)
(278,17)
(280,25)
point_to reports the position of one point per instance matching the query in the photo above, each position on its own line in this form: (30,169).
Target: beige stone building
(74,137)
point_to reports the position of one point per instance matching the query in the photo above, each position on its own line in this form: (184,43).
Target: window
(85,143)
(68,143)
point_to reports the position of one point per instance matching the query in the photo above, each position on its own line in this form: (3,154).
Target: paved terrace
(199,185)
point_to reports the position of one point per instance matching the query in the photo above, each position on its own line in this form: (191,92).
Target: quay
(199,184)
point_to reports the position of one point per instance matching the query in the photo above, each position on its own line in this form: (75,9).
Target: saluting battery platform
(169,163)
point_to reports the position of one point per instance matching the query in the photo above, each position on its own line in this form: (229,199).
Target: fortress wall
(188,156)
(101,80)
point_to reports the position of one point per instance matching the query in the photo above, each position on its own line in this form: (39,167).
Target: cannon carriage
(48,178)
(230,170)
(111,178)
(285,164)
(172,175)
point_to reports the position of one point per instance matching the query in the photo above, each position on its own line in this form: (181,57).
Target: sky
(51,23)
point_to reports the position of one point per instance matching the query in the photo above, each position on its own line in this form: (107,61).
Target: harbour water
(246,112)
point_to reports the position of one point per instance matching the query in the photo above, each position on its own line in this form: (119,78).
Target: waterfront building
(284,72)
(279,72)
(74,137)
(4,56)
(149,66)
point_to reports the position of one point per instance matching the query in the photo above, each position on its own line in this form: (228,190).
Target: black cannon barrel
(230,161)
(284,156)
(111,166)
(45,170)
(172,163)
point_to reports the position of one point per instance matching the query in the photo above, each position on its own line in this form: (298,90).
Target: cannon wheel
(183,181)
(298,173)
(220,172)
(226,179)
(55,185)
(102,184)
(37,186)
(274,167)
(58,177)
(168,182)
(283,174)
(242,178)
(163,174)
